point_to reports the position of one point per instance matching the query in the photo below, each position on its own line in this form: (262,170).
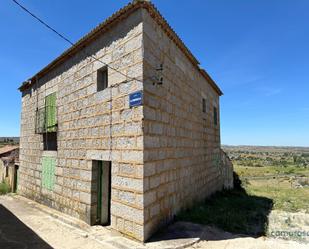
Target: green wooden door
(48,172)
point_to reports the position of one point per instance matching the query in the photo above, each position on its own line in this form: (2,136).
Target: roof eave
(211,82)
(108,24)
(104,26)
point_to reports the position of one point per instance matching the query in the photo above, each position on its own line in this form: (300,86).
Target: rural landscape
(151,124)
(279,173)
(270,197)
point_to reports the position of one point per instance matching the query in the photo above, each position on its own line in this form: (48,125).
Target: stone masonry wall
(227,171)
(165,154)
(91,126)
(181,143)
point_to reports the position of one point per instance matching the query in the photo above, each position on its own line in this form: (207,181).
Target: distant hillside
(259,156)
(253,148)
(9,139)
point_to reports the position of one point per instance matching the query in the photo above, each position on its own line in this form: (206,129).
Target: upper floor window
(102,79)
(47,123)
(51,113)
(204,105)
(215,116)
(46,117)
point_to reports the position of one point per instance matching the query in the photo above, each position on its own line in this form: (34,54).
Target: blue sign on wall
(136,98)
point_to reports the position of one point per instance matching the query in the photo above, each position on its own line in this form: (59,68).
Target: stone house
(9,164)
(123,128)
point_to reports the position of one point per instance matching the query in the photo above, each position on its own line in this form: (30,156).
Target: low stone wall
(7,173)
(227,171)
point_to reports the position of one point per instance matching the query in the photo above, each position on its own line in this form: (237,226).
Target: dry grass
(285,197)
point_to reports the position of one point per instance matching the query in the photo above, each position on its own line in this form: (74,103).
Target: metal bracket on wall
(159,75)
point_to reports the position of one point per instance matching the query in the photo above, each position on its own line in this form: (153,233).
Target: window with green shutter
(46,117)
(51,113)
(48,172)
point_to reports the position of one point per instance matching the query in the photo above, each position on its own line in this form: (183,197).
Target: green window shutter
(50,109)
(48,172)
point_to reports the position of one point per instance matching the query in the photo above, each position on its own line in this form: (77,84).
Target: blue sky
(257,51)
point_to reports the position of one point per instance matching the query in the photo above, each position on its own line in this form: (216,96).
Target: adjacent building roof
(108,24)
(8,148)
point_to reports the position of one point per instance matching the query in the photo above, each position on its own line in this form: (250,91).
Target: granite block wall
(91,126)
(181,142)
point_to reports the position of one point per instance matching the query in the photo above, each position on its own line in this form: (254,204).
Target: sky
(257,51)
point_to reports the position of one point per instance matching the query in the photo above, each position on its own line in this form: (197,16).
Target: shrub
(4,188)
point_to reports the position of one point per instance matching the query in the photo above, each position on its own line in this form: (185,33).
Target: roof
(8,148)
(7,159)
(111,21)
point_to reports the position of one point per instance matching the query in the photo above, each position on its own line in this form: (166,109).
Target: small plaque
(136,99)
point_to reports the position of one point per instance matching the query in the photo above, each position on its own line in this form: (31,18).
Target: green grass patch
(280,189)
(233,211)
(245,210)
(244,171)
(285,198)
(4,188)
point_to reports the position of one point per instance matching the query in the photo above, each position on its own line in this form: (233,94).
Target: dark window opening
(215,116)
(15,178)
(50,141)
(204,105)
(7,171)
(102,79)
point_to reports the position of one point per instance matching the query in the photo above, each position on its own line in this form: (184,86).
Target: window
(46,117)
(50,123)
(215,116)
(204,105)
(50,113)
(50,141)
(102,79)
(48,172)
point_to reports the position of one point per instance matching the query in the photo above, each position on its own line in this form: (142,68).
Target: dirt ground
(250,243)
(24,226)
(217,239)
